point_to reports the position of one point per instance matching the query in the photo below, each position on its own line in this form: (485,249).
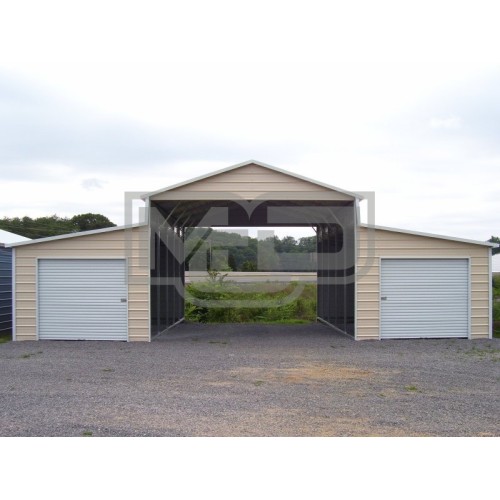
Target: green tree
(249,266)
(231,261)
(53,225)
(288,244)
(87,222)
(307,244)
(495,239)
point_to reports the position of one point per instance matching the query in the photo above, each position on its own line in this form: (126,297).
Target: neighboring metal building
(6,279)
(5,289)
(496,264)
(372,282)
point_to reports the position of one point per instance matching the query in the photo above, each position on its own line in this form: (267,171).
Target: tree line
(42,227)
(242,250)
(206,248)
(495,239)
(212,249)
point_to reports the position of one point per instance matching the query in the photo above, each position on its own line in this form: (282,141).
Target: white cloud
(355,126)
(449,122)
(90,184)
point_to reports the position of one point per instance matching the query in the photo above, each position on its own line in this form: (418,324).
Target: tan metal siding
(130,243)
(376,243)
(251,182)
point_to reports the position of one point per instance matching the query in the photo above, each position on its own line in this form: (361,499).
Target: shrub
(276,303)
(496,311)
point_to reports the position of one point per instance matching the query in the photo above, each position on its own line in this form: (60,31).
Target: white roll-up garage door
(82,299)
(424,298)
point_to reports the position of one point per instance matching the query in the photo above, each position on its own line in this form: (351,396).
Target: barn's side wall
(376,243)
(130,243)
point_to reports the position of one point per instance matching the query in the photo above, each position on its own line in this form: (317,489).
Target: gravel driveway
(250,380)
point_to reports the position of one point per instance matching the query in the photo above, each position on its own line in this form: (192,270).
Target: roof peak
(245,164)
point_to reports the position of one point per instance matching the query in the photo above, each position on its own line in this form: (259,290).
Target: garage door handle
(123,300)
(383,298)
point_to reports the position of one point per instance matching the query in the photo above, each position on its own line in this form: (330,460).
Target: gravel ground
(250,380)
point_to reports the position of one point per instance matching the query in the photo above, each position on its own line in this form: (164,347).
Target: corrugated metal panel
(5,289)
(132,244)
(82,299)
(251,182)
(373,244)
(424,298)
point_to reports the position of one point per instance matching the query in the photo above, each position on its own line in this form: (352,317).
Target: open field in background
(255,276)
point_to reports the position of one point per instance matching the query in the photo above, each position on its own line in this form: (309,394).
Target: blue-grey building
(5,289)
(6,279)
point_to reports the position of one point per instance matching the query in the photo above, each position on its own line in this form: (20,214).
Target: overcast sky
(99,98)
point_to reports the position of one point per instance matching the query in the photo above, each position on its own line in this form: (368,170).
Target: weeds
(412,388)
(496,307)
(5,337)
(246,303)
(488,352)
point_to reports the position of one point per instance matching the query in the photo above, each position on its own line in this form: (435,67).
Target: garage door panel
(82,299)
(424,298)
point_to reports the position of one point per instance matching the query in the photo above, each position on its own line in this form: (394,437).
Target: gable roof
(429,235)
(248,163)
(8,237)
(78,234)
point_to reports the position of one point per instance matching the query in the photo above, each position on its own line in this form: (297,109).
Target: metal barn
(128,283)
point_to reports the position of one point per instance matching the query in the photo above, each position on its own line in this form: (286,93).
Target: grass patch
(488,352)
(221,301)
(87,433)
(496,330)
(224,342)
(412,388)
(5,337)
(30,354)
(258,383)
(107,370)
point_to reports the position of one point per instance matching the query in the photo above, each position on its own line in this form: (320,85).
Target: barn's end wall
(131,243)
(376,243)
(251,182)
